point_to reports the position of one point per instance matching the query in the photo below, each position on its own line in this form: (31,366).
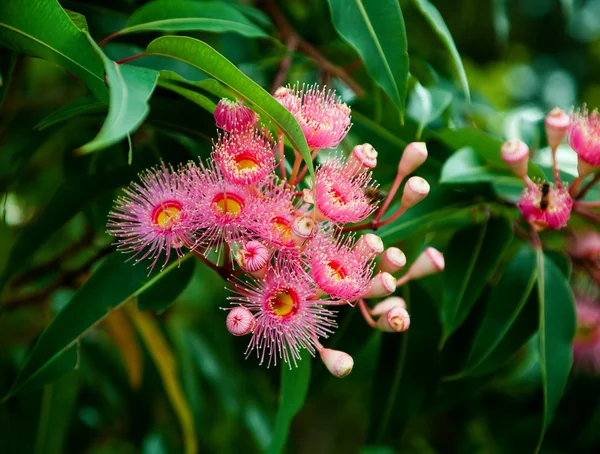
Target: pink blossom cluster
(286,245)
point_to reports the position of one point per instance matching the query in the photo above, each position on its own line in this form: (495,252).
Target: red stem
(222,272)
(366,313)
(390,196)
(133,57)
(109,38)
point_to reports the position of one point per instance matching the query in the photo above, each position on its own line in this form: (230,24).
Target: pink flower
(223,209)
(323,117)
(288,314)
(585,245)
(337,268)
(546,206)
(341,197)
(586,344)
(584,136)
(245,157)
(233,115)
(153,216)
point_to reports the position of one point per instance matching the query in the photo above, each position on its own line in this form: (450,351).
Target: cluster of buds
(547,205)
(287,247)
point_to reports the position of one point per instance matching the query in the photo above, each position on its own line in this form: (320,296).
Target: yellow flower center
(245,163)
(167,214)
(284,303)
(228,204)
(281,227)
(336,271)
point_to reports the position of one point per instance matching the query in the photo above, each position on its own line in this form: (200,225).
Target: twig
(133,57)
(222,272)
(286,63)
(588,186)
(287,32)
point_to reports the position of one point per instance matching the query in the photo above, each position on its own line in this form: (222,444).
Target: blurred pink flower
(546,206)
(586,344)
(584,136)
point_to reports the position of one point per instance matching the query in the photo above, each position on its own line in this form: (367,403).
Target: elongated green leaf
(471,259)
(68,200)
(8,60)
(58,406)
(114,283)
(189,15)
(403,379)
(192,95)
(43,29)
(466,166)
(160,296)
(130,88)
(294,387)
(77,19)
(209,85)
(506,302)
(87,104)
(438,26)
(556,331)
(205,58)
(441,208)
(375,28)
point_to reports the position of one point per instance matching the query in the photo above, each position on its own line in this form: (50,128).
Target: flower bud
(240,321)
(516,154)
(413,156)
(429,262)
(288,99)
(556,123)
(368,246)
(362,158)
(392,260)
(415,190)
(252,257)
(396,320)
(338,363)
(583,168)
(303,228)
(384,306)
(383,284)
(234,116)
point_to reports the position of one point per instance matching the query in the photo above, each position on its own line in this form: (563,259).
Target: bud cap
(556,123)
(338,363)
(387,304)
(362,158)
(240,321)
(383,284)
(516,154)
(368,246)
(392,260)
(396,320)
(413,156)
(415,190)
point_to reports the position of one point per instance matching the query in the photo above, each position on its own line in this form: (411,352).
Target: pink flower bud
(556,123)
(413,156)
(392,260)
(516,154)
(383,284)
(415,190)
(387,304)
(234,116)
(429,262)
(338,363)
(585,245)
(396,320)
(362,158)
(253,257)
(240,321)
(368,246)
(303,228)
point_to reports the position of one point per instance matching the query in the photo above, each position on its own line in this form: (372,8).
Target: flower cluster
(287,245)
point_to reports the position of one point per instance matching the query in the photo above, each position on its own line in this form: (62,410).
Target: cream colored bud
(516,154)
(384,306)
(368,246)
(413,156)
(556,123)
(338,363)
(415,190)
(383,284)
(362,158)
(392,260)
(396,320)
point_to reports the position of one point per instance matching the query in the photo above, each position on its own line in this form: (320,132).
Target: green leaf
(556,331)
(375,28)
(438,26)
(294,388)
(7,65)
(114,283)
(209,85)
(192,95)
(441,209)
(205,58)
(472,257)
(404,380)
(66,202)
(87,104)
(505,304)
(130,88)
(466,166)
(165,291)
(43,29)
(77,19)
(189,15)
(426,104)
(58,405)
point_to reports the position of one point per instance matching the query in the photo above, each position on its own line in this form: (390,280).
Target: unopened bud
(368,246)
(240,321)
(288,99)
(392,260)
(383,284)
(396,320)
(413,156)
(516,154)
(362,158)
(234,116)
(384,306)
(338,363)
(429,262)
(303,228)
(415,190)
(584,169)
(252,257)
(557,124)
